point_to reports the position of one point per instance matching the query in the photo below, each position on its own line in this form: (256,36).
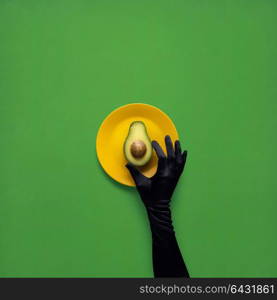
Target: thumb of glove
(133,171)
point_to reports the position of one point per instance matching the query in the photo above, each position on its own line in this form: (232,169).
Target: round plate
(114,130)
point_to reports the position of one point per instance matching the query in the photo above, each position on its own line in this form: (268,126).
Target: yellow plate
(113,132)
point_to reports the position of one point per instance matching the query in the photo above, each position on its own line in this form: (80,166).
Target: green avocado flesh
(137,146)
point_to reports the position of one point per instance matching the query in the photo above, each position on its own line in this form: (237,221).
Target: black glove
(156,193)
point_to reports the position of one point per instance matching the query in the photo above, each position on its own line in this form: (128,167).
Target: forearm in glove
(156,193)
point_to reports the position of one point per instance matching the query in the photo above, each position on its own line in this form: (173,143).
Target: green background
(64,65)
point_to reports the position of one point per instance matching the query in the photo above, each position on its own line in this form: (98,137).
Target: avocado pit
(138,149)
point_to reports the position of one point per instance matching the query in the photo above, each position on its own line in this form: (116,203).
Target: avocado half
(137,146)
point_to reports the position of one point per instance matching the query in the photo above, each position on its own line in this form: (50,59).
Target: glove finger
(178,151)
(169,147)
(184,156)
(158,149)
(135,173)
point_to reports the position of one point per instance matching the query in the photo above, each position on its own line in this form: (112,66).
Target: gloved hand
(156,193)
(162,184)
